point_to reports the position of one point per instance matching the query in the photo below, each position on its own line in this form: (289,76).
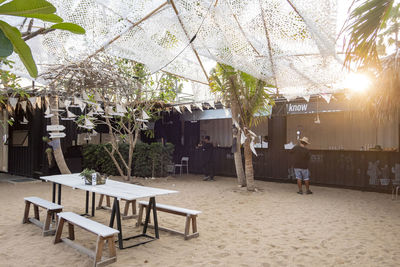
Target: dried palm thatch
(383,102)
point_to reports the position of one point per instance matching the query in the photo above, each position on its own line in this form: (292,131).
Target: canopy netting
(288,43)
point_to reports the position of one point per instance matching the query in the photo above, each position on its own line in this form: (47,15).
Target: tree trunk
(238,154)
(58,153)
(248,163)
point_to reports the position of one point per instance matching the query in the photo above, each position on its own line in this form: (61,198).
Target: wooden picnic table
(117,190)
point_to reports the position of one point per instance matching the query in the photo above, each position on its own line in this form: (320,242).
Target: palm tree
(246,96)
(371,25)
(364,24)
(58,153)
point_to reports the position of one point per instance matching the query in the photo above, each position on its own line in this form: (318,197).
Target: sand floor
(271,227)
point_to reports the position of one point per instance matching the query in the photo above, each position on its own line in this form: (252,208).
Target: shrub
(148,160)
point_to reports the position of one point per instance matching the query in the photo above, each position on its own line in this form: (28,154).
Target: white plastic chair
(184,163)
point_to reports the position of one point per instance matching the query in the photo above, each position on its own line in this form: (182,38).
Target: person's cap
(304,140)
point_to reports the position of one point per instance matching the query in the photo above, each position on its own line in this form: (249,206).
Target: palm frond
(363,25)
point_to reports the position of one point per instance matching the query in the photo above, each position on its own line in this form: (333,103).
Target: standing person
(208,161)
(301,157)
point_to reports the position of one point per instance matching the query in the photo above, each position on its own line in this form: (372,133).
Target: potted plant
(87,175)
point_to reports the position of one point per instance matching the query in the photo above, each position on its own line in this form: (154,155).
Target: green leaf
(46,17)
(6,47)
(21,7)
(74,28)
(20,47)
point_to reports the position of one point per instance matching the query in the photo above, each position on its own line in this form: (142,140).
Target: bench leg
(194,224)
(187,226)
(47,222)
(125,215)
(26,213)
(111,247)
(36,210)
(60,227)
(100,204)
(99,250)
(71,231)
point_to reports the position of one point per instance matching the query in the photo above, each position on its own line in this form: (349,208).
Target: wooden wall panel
(343,131)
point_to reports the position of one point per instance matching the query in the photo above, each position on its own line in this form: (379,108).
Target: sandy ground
(271,227)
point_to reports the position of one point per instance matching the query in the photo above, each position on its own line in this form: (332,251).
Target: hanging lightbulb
(316,120)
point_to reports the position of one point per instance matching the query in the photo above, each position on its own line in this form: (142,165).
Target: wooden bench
(191,215)
(51,209)
(125,215)
(104,233)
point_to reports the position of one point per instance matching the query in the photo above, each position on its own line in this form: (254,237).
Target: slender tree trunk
(238,154)
(58,153)
(248,163)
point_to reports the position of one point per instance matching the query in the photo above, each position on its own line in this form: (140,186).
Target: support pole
(189,38)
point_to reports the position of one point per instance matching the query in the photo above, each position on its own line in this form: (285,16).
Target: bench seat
(103,232)
(51,209)
(191,216)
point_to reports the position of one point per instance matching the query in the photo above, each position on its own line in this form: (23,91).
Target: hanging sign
(314,107)
(57,135)
(55,128)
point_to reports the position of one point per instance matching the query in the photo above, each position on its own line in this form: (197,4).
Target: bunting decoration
(145,116)
(61,104)
(97,97)
(32,100)
(85,96)
(48,112)
(212,104)
(13,102)
(306,98)
(327,97)
(188,107)
(23,105)
(290,97)
(88,124)
(252,146)
(67,103)
(38,102)
(99,110)
(199,105)
(90,113)
(178,109)
(242,138)
(121,109)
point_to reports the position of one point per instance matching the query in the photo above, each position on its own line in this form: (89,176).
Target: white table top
(112,188)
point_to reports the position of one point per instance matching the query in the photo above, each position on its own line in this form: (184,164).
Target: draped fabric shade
(290,44)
